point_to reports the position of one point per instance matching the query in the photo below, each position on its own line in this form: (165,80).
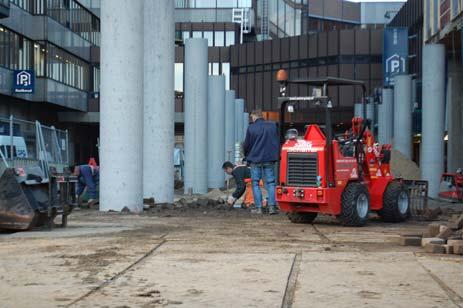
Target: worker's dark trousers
(266,172)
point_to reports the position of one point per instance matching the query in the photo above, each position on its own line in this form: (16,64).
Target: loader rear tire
(302,218)
(396,203)
(355,205)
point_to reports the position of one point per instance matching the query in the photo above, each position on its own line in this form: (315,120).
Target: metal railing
(25,145)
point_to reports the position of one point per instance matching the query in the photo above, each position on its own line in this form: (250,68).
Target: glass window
(15,50)
(229,38)
(226,3)
(215,68)
(219,39)
(197,34)
(209,35)
(245,3)
(205,3)
(66,68)
(69,13)
(96,79)
(179,77)
(226,72)
(185,35)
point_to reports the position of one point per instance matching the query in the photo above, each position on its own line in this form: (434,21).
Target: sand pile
(403,167)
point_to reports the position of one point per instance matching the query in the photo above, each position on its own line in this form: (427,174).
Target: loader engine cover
(16,212)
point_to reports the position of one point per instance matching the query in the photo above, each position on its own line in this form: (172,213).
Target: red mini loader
(346,177)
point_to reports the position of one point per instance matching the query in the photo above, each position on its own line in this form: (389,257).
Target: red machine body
(347,176)
(452,187)
(342,170)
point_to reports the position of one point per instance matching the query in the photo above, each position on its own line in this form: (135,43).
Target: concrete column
(196,72)
(385,117)
(230,97)
(216,131)
(403,115)
(358,110)
(239,125)
(454,117)
(121,127)
(245,123)
(432,145)
(371,113)
(159,108)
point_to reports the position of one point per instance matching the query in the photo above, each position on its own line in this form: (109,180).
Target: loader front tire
(396,203)
(302,218)
(355,205)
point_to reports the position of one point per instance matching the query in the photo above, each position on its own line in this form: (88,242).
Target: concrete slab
(366,280)
(200,280)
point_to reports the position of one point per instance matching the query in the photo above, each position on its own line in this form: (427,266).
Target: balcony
(4,8)
(46,90)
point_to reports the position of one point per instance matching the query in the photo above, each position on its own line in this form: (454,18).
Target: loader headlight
(292,134)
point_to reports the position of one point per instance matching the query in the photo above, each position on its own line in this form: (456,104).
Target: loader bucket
(16,212)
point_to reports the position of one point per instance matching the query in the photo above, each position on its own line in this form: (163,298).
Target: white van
(19,147)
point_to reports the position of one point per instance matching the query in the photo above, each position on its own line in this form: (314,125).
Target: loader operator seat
(347,144)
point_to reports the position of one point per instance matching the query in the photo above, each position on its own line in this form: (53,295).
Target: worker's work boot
(272,210)
(257,211)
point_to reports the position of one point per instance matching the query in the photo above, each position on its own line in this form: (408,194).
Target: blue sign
(24,82)
(395,53)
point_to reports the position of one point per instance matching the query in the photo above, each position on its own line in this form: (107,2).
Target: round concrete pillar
(230,97)
(433,101)
(358,110)
(385,117)
(216,131)
(159,108)
(196,73)
(121,127)
(239,124)
(245,124)
(403,115)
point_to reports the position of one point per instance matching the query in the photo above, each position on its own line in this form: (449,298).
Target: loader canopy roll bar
(321,99)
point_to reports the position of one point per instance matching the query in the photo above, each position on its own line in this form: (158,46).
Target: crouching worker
(242,176)
(88,178)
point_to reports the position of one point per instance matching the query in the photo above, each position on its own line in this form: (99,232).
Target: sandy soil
(211,257)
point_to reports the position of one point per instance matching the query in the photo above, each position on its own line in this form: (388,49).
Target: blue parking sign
(395,55)
(24,82)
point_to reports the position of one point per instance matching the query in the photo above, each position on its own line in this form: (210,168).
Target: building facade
(249,40)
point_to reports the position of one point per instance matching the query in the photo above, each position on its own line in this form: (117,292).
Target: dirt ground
(219,258)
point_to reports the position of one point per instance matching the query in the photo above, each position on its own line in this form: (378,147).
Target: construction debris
(439,238)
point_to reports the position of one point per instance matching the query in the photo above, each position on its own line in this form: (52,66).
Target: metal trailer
(35,182)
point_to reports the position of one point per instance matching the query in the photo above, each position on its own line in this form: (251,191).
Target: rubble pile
(402,167)
(439,238)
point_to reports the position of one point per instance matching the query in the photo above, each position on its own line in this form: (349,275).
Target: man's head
(256,114)
(228,167)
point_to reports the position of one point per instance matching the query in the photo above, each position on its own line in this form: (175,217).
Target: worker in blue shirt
(88,178)
(262,150)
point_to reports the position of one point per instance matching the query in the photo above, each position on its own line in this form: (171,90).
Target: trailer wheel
(396,203)
(302,218)
(355,205)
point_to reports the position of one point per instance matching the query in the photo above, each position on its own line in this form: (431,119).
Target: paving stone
(432,240)
(433,229)
(458,249)
(445,233)
(448,249)
(455,242)
(434,248)
(410,241)
(420,235)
